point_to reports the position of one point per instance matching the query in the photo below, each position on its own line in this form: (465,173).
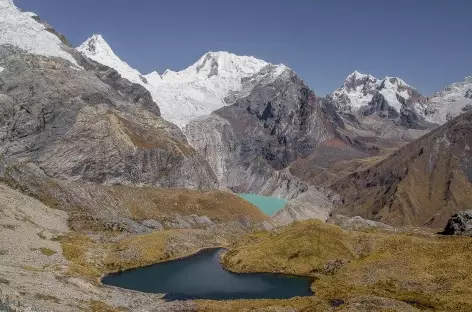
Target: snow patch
(21,30)
(1,69)
(97,49)
(450,102)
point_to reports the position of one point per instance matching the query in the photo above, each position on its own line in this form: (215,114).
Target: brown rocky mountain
(420,184)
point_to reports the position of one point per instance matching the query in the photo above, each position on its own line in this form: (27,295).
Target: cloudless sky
(428,43)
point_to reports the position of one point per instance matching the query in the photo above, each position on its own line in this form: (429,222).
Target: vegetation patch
(30,268)
(108,252)
(428,272)
(100,306)
(47,252)
(307,304)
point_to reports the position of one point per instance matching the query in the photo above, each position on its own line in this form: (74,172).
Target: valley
(104,169)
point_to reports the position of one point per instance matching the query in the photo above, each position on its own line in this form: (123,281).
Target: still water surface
(201,276)
(269,205)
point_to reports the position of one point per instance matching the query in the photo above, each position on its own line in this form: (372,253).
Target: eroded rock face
(460,224)
(90,125)
(250,143)
(313,204)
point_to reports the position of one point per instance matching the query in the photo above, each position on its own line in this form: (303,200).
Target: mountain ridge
(187,94)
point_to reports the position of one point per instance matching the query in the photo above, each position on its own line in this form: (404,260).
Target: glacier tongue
(21,30)
(193,92)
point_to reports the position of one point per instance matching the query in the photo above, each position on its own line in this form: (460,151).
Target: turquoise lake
(269,205)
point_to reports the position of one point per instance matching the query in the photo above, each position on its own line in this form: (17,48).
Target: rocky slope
(250,143)
(90,125)
(420,184)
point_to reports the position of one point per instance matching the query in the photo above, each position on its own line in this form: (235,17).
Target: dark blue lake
(201,276)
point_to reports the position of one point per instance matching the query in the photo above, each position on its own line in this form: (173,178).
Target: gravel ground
(33,270)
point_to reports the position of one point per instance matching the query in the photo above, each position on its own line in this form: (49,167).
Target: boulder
(459,224)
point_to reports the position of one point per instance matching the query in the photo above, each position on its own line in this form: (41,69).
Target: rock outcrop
(312,204)
(357,223)
(90,125)
(459,224)
(250,144)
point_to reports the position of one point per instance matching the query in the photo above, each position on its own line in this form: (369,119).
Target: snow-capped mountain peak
(203,86)
(97,49)
(195,91)
(450,102)
(360,89)
(358,77)
(23,30)
(391,82)
(356,92)
(96,45)
(220,64)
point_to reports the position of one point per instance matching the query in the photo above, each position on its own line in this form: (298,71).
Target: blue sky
(425,42)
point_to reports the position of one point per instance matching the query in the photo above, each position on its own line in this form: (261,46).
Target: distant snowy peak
(360,90)
(356,79)
(450,102)
(23,30)
(195,91)
(97,49)
(356,92)
(217,64)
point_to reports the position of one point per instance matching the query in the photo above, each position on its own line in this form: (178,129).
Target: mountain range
(217,78)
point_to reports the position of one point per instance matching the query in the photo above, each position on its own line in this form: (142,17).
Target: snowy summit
(22,30)
(184,95)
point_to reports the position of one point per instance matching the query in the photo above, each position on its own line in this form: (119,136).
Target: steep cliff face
(250,143)
(420,184)
(90,124)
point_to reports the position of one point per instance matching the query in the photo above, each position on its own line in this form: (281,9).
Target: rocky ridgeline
(90,125)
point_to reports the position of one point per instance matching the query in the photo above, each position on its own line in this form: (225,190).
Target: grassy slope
(93,254)
(137,203)
(428,272)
